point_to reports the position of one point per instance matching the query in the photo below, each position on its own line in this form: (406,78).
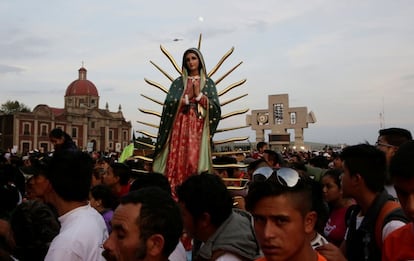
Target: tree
(10,107)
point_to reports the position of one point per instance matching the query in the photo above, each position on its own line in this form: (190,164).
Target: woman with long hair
(332,192)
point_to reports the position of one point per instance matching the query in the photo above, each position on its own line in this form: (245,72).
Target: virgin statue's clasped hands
(195,80)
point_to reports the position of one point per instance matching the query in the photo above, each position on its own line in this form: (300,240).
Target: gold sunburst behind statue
(223,91)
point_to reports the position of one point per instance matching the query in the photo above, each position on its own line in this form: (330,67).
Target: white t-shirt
(179,253)
(82,233)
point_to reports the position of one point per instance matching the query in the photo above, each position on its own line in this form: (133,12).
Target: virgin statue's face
(192,63)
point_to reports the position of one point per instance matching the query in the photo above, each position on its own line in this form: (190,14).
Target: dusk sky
(347,61)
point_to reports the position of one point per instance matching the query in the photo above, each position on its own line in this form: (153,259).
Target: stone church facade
(91,128)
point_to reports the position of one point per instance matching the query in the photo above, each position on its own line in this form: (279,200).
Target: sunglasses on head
(284,176)
(262,173)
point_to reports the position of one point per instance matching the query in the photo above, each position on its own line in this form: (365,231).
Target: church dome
(81,86)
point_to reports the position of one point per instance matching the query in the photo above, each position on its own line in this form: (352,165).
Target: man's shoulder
(241,218)
(381,212)
(85,223)
(395,248)
(405,232)
(88,214)
(234,236)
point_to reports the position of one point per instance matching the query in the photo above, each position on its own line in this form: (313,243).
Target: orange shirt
(399,244)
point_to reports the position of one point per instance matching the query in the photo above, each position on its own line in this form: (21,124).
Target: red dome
(81,86)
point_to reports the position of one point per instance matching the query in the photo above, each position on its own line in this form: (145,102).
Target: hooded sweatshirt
(235,236)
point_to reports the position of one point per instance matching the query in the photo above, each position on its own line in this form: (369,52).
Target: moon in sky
(200,18)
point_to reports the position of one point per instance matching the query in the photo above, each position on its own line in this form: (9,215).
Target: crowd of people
(354,204)
(184,204)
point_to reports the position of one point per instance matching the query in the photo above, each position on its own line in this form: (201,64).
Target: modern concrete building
(278,118)
(91,128)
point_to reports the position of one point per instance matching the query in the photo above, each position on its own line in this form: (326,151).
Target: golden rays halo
(221,92)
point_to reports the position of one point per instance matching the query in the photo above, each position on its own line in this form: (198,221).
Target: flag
(126,153)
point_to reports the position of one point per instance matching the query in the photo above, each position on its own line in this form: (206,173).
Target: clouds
(9,69)
(17,44)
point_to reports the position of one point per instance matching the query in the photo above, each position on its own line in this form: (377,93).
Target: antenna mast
(382,116)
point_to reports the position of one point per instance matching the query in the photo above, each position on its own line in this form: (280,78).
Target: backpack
(390,210)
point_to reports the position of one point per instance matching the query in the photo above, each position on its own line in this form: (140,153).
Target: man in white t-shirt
(83,229)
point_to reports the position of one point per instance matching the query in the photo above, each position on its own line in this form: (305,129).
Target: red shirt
(124,190)
(336,226)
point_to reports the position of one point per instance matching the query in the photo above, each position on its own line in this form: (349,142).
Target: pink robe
(185,142)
